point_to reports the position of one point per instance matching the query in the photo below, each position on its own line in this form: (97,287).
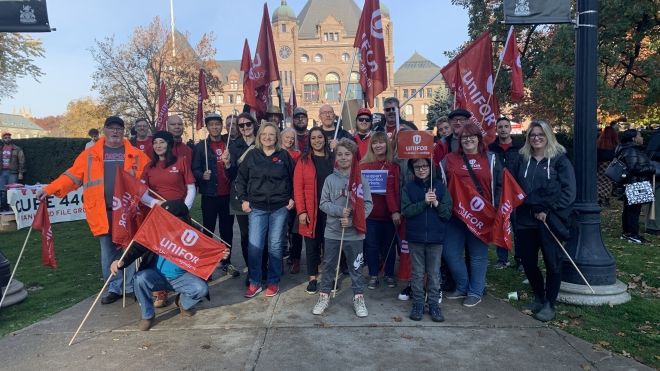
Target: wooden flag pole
(13,272)
(569,257)
(99,295)
(341,246)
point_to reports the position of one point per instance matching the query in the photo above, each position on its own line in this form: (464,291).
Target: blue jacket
(206,187)
(425,223)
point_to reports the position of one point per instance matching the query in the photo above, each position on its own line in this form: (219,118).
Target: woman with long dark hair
(605,146)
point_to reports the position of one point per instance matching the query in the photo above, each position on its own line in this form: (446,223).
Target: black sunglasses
(390,109)
(248,124)
(364,119)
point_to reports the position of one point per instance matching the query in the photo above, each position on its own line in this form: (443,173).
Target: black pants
(243,226)
(216,208)
(530,242)
(630,218)
(313,246)
(294,239)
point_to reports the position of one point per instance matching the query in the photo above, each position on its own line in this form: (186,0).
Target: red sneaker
(252,290)
(272,289)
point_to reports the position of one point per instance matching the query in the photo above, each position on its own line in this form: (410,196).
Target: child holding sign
(427,207)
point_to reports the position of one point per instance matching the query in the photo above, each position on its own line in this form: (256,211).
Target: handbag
(616,170)
(639,193)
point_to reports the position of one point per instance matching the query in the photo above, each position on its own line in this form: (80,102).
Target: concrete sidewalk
(280,333)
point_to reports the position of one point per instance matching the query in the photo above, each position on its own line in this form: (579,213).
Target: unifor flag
(511,197)
(510,56)
(264,66)
(537,11)
(292,103)
(371,46)
(470,77)
(161,119)
(202,94)
(249,94)
(41,223)
(472,209)
(356,198)
(179,243)
(126,213)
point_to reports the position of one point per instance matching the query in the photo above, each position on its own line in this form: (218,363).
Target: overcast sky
(429,27)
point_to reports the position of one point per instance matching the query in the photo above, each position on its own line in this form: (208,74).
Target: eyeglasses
(389,109)
(246,124)
(537,136)
(363,119)
(117,130)
(327,113)
(470,138)
(421,167)
(457,120)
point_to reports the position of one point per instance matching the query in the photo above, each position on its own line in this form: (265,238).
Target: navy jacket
(424,223)
(206,187)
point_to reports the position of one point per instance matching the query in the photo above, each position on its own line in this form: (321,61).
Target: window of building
(425,109)
(420,94)
(318,58)
(408,109)
(310,88)
(233,85)
(336,36)
(239,99)
(283,27)
(429,92)
(221,99)
(405,93)
(231,98)
(304,58)
(332,87)
(354,87)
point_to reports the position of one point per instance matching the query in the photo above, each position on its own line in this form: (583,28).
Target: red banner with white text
(472,209)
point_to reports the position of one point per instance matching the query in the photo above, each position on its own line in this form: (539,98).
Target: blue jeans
(109,253)
(502,255)
(272,224)
(379,245)
(191,288)
(7,177)
(456,237)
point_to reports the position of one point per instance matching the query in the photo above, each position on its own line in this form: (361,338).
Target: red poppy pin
(276,159)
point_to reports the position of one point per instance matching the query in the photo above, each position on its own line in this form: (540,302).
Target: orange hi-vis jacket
(88,171)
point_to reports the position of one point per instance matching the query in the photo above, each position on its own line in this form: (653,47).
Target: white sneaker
(322,304)
(359,306)
(440,298)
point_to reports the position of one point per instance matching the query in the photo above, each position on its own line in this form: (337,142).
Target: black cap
(114,120)
(459,112)
(166,136)
(212,116)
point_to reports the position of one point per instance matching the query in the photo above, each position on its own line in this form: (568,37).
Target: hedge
(47,158)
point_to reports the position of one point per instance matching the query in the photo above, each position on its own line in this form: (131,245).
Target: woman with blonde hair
(547,177)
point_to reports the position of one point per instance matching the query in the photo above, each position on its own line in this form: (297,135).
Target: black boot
(547,313)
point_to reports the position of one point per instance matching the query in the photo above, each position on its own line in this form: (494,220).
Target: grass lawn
(631,329)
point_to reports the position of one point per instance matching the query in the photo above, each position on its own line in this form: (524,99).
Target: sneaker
(322,304)
(501,265)
(455,295)
(110,298)
(390,282)
(312,287)
(373,283)
(547,313)
(534,306)
(161,299)
(272,289)
(440,297)
(471,301)
(405,294)
(231,270)
(184,312)
(631,238)
(436,313)
(417,312)
(295,266)
(145,324)
(252,290)
(359,306)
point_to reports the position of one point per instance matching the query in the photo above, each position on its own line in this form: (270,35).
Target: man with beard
(391,108)
(299,123)
(142,140)
(363,134)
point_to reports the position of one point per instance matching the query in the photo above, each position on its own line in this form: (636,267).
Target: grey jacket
(333,201)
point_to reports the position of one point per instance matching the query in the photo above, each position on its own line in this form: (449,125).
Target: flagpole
(497,73)
(420,89)
(18,260)
(99,295)
(569,257)
(172,27)
(343,98)
(341,244)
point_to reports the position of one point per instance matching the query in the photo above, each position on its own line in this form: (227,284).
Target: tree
(17,53)
(441,105)
(128,76)
(52,124)
(628,61)
(81,115)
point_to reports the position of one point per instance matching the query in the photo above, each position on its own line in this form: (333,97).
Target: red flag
(126,214)
(470,77)
(512,197)
(369,40)
(356,197)
(292,103)
(264,67)
(176,241)
(161,120)
(469,207)
(511,57)
(202,94)
(249,94)
(41,223)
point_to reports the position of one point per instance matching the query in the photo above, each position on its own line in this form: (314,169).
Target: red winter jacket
(305,194)
(389,203)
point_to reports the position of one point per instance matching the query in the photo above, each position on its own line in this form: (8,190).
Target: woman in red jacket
(379,244)
(308,178)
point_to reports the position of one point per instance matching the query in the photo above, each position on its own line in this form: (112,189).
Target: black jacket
(510,158)
(206,187)
(265,181)
(604,155)
(653,147)
(638,164)
(236,150)
(549,189)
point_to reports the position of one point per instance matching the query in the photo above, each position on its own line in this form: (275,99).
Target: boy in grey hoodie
(339,224)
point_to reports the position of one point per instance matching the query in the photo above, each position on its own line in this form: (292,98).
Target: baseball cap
(299,111)
(114,120)
(364,111)
(212,116)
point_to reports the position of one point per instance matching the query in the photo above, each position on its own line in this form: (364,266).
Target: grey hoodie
(333,201)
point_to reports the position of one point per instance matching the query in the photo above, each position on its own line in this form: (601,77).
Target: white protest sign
(24,203)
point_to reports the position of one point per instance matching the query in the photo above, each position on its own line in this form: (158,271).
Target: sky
(428,27)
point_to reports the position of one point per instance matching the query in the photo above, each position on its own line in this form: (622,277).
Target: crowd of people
(288,189)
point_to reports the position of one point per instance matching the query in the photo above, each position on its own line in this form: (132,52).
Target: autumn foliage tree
(17,54)
(128,76)
(82,115)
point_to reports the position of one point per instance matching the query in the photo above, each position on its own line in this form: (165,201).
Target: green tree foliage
(628,46)
(441,105)
(17,53)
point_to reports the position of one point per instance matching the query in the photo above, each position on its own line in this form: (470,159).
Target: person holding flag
(346,200)
(479,176)
(547,177)
(95,169)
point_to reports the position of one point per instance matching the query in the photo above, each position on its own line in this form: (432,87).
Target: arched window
(310,88)
(408,109)
(304,58)
(318,58)
(425,109)
(354,87)
(345,57)
(332,87)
